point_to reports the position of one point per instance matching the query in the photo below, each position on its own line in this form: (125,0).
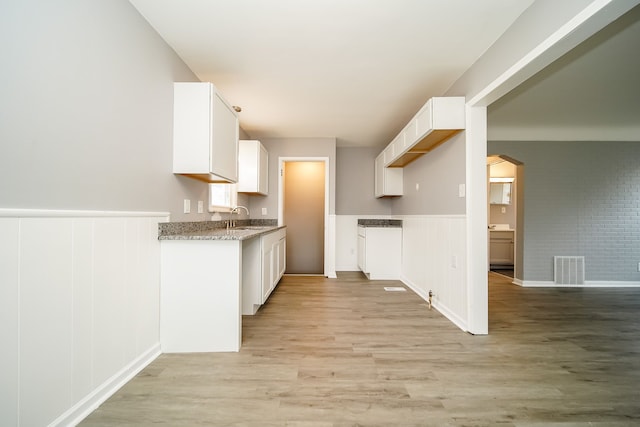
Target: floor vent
(394,289)
(568,270)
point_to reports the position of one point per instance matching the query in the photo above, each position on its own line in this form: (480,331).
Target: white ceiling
(592,93)
(357,70)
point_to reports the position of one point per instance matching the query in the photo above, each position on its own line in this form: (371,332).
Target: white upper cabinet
(438,120)
(253,173)
(388,181)
(205,133)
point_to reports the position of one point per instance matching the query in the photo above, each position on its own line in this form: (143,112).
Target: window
(222,197)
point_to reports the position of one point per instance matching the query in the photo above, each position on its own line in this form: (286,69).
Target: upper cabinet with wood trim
(205,133)
(438,120)
(388,181)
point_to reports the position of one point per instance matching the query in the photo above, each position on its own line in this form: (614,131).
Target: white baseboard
(345,267)
(587,284)
(93,400)
(610,284)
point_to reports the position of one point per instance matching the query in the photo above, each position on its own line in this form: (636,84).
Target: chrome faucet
(232,223)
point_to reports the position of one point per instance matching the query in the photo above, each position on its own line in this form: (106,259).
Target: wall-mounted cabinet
(500,193)
(438,120)
(388,181)
(253,164)
(205,134)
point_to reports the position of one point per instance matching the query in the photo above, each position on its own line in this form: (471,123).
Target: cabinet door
(388,181)
(263,171)
(275,261)
(501,248)
(267,263)
(191,126)
(253,173)
(379,175)
(423,120)
(362,256)
(282,257)
(224,146)
(410,135)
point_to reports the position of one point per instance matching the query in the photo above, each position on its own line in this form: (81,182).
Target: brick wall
(580,198)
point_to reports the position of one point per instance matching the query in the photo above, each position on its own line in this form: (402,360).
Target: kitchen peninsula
(205,269)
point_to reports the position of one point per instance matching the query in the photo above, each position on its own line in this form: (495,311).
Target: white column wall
(434,259)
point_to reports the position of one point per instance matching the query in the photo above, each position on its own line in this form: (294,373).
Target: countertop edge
(220,234)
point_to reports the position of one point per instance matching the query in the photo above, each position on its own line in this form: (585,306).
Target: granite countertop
(215,230)
(397,223)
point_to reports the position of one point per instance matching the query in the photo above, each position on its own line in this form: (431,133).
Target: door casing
(281,162)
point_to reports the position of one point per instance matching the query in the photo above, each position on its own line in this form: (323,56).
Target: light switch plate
(461,190)
(264,211)
(200,206)
(187,206)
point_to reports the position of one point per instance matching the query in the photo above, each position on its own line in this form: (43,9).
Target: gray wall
(355,178)
(86,110)
(438,173)
(580,198)
(293,147)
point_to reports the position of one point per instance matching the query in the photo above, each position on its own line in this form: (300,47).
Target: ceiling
(356,70)
(592,93)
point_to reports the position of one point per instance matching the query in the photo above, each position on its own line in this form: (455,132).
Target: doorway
(504,214)
(303,209)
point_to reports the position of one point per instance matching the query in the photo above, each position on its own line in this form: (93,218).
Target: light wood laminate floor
(344,352)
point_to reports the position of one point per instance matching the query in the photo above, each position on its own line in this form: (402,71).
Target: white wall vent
(568,270)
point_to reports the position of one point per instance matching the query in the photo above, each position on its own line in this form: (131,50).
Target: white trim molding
(97,397)
(329,223)
(587,284)
(57,213)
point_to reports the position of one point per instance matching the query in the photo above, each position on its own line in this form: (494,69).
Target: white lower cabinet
(200,298)
(380,252)
(263,266)
(501,247)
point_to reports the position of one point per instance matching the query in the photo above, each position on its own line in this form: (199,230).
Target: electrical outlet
(187,206)
(264,211)
(200,206)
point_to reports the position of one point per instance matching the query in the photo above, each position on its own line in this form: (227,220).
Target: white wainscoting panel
(434,259)
(79,310)
(46,319)
(9,321)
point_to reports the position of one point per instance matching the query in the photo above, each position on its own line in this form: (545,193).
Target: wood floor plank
(343,352)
